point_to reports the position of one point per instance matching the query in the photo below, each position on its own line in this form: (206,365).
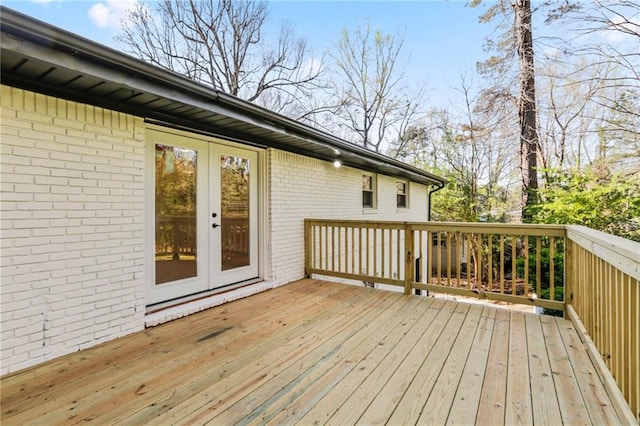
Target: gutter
(293,128)
(76,46)
(437,188)
(432,191)
(81,53)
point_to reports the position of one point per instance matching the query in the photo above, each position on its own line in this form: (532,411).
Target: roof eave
(49,43)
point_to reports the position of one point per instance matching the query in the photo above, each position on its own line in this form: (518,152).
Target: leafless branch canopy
(221,43)
(375,104)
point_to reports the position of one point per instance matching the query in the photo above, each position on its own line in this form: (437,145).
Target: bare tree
(527,112)
(375,103)
(607,42)
(481,160)
(461,144)
(418,144)
(221,43)
(515,43)
(570,112)
(608,36)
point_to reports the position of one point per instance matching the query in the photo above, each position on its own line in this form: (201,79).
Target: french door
(203,206)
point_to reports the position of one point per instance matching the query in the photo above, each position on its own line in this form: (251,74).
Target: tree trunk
(527,108)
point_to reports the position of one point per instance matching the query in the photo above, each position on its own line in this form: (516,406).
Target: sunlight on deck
(315,352)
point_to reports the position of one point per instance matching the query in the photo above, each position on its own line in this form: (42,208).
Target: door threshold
(167,311)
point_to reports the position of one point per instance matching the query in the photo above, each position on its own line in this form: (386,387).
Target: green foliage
(456,202)
(453,204)
(557,291)
(545,271)
(175,181)
(558,295)
(545,275)
(609,204)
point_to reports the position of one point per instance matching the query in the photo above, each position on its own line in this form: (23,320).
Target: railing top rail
(174,216)
(443,224)
(494,228)
(625,247)
(386,224)
(468,227)
(352,221)
(620,252)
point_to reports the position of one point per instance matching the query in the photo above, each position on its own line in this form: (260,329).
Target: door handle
(214,225)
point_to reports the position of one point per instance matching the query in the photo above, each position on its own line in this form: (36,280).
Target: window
(401,194)
(368,191)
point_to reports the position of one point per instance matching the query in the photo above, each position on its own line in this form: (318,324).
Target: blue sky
(443,39)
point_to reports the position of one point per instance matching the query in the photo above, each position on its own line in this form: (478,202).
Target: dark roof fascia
(318,136)
(65,49)
(18,24)
(44,40)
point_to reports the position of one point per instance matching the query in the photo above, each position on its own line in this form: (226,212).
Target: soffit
(48,60)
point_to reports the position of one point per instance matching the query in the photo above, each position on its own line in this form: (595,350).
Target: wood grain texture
(325,353)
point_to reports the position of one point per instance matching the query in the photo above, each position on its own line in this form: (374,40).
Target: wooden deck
(317,352)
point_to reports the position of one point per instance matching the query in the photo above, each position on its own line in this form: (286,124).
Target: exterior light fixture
(337,163)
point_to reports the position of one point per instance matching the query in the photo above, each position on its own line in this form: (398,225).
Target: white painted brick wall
(71,212)
(302,187)
(71,215)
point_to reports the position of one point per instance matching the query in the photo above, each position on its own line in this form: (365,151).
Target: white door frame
(220,278)
(208,268)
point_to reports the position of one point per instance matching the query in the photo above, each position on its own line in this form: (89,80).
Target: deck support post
(307,248)
(569,273)
(409,258)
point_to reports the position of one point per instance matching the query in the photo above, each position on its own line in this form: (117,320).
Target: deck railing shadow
(588,276)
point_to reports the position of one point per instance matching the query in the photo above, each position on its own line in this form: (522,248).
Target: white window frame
(374,190)
(406,193)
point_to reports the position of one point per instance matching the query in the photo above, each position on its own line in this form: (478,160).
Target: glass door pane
(175,213)
(235,175)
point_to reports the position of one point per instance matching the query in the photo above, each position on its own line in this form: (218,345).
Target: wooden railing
(525,264)
(499,262)
(176,236)
(603,300)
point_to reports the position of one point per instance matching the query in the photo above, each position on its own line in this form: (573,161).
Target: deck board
(572,406)
(382,407)
(543,399)
(325,353)
(437,407)
(333,350)
(593,393)
(249,372)
(364,361)
(518,406)
(410,407)
(463,411)
(494,387)
(381,363)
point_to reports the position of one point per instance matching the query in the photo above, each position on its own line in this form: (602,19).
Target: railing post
(175,225)
(569,273)
(307,248)
(409,256)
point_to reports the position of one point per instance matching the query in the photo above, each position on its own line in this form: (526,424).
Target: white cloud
(109,13)
(617,33)
(311,66)
(551,52)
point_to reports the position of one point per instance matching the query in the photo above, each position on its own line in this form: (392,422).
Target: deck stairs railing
(590,277)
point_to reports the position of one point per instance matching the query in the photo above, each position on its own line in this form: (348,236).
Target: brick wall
(72,227)
(72,210)
(302,187)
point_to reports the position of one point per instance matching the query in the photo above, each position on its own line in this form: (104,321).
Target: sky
(443,39)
